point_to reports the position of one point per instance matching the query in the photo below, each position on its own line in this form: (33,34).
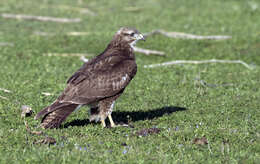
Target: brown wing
(98,80)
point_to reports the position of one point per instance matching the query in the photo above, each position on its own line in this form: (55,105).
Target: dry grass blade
(77,33)
(5,90)
(186,36)
(198,62)
(149,52)
(47,94)
(2,97)
(41,18)
(67,54)
(6,44)
(74,33)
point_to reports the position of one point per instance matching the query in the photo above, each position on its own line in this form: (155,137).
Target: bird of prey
(98,83)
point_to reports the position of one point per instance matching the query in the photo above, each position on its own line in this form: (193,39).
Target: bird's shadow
(125,116)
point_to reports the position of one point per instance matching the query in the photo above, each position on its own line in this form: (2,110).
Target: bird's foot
(113,125)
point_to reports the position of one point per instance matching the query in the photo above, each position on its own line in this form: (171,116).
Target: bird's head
(129,35)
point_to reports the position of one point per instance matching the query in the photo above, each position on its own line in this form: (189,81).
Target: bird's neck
(121,46)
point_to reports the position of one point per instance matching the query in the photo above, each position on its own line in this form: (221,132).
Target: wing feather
(100,79)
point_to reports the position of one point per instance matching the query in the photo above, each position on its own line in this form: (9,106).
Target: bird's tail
(55,114)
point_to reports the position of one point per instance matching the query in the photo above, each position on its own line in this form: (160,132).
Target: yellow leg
(111,121)
(103,123)
(113,124)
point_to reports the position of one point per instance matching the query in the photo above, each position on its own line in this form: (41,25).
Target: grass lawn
(220,102)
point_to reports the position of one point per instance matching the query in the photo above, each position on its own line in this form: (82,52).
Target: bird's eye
(132,34)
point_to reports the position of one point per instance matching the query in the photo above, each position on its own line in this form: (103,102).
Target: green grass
(169,98)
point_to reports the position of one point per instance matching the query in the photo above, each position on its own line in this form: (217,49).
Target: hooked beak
(139,37)
(142,37)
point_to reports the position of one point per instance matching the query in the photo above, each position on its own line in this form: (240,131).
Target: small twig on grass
(5,90)
(67,54)
(149,52)
(6,44)
(39,33)
(41,18)
(77,33)
(47,94)
(186,36)
(2,97)
(198,62)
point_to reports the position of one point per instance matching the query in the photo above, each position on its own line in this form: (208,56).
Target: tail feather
(50,109)
(55,114)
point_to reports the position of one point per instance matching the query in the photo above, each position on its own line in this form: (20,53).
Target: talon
(113,125)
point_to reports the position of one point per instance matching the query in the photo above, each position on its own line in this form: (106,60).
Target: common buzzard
(98,83)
